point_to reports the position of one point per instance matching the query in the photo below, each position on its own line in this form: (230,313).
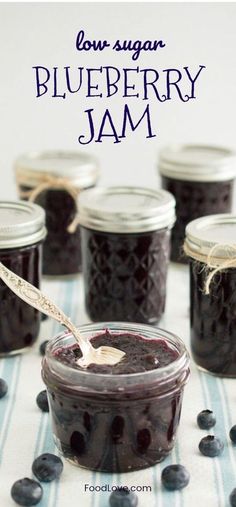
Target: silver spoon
(34,297)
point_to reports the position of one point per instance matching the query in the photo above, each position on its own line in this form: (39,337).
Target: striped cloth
(25,432)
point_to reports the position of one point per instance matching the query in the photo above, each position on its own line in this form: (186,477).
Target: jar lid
(197,163)
(81,169)
(126,209)
(21,224)
(207,232)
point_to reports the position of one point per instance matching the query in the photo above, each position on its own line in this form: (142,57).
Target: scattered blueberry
(47,467)
(42,401)
(211,446)
(232,434)
(123,498)
(175,477)
(3,387)
(26,492)
(206,419)
(232,498)
(42,347)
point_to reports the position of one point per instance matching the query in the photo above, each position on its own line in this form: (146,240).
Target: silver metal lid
(21,224)
(204,233)
(197,163)
(81,169)
(126,209)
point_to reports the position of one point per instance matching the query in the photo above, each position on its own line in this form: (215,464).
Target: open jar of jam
(211,247)
(54,180)
(116,418)
(125,235)
(22,231)
(201,179)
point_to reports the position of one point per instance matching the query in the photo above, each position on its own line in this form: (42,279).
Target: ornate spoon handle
(34,297)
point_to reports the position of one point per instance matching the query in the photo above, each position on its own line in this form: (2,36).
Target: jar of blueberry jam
(125,250)
(54,180)
(21,234)
(211,247)
(201,179)
(116,418)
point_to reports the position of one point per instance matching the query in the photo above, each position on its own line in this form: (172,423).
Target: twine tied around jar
(43,182)
(211,260)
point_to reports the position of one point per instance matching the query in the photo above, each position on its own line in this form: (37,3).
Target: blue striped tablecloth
(25,432)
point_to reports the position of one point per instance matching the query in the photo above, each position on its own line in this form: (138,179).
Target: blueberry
(175,477)
(211,446)
(232,498)
(232,434)
(3,387)
(42,347)
(47,467)
(123,498)
(42,401)
(26,492)
(152,360)
(206,419)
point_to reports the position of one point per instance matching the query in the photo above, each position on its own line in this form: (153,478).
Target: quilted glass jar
(54,180)
(115,422)
(211,247)
(22,231)
(201,179)
(125,251)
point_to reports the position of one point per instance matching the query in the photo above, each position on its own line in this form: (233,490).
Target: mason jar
(211,247)
(54,180)
(115,422)
(201,178)
(22,231)
(125,235)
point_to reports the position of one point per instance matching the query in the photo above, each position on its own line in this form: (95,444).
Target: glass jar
(54,181)
(201,179)
(115,423)
(211,247)
(125,235)
(21,234)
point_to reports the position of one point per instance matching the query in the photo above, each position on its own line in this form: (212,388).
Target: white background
(44,34)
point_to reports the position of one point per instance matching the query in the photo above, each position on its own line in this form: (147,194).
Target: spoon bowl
(34,297)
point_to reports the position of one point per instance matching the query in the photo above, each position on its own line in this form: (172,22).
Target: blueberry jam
(213,320)
(19,322)
(141,355)
(61,249)
(116,418)
(195,199)
(125,275)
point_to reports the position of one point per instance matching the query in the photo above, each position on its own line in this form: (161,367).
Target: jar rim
(125,209)
(22,223)
(81,169)
(205,233)
(197,162)
(120,380)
